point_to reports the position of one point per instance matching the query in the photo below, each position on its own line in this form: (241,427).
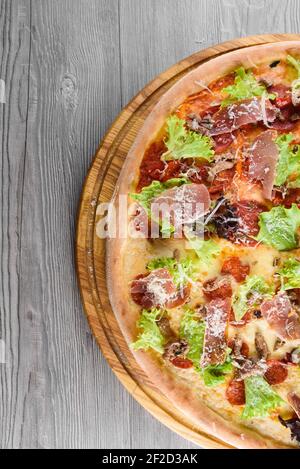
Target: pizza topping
(215,346)
(245,86)
(294,401)
(276,372)
(261,346)
(280,317)
(192,330)
(180,270)
(248,213)
(296,83)
(260,398)
(150,335)
(221,163)
(238,222)
(175,348)
(234,266)
(181,362)
(278,227)
(243,113)
(221,182)
(151,166)
(288,165)
(158,289)
(181,205)
(148,193)
(245,367)
(217,288)
(295,356)
(290,274)
(165,328)
(206,250)
(235,392)
(214,375)
(263,159)
(222,142)
(293,425)
(249,295)
(183,143)
(239,348)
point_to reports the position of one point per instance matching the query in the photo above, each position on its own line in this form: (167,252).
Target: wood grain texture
(69,66)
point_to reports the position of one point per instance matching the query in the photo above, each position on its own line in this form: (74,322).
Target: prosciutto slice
(157,289)
(181,205)
(246,112)
(215,345)
(263,159)
(281,318)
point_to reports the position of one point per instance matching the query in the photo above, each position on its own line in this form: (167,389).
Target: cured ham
(237,115)
(157,289)
(281,318)
(262,161)
(181,205)
(215,345)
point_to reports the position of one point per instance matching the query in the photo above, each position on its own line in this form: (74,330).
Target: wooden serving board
(90,250)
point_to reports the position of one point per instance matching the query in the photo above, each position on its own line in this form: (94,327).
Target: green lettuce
(181,271)
(213,375)
(148,193)
(296,83)
(260,398)
(288,163)
(278,227)
(290,274)
(192,330)
(251,292)
(150,335)
(206,250)
(183,143)
(245,87)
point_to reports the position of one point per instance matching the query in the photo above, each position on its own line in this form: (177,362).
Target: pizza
(206,283)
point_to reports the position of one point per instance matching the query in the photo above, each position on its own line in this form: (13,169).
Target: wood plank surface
(69,66)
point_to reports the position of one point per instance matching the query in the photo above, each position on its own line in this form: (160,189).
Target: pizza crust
(180,395)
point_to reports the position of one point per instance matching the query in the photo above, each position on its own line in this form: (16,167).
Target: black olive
(257,314)
(226,221)
(275,63)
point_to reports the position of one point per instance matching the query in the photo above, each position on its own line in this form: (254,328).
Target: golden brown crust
(182,396)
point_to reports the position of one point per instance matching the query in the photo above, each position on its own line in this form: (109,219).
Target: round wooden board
(90,250)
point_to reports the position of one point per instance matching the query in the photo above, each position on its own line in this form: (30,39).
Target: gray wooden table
(68,67)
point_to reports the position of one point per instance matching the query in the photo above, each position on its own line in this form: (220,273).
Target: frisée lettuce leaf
(250,294)
(148,193)
(150,335)
(183,143)
(278,227)
(245,87)
(181,271)
(260,398)
(290,274)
